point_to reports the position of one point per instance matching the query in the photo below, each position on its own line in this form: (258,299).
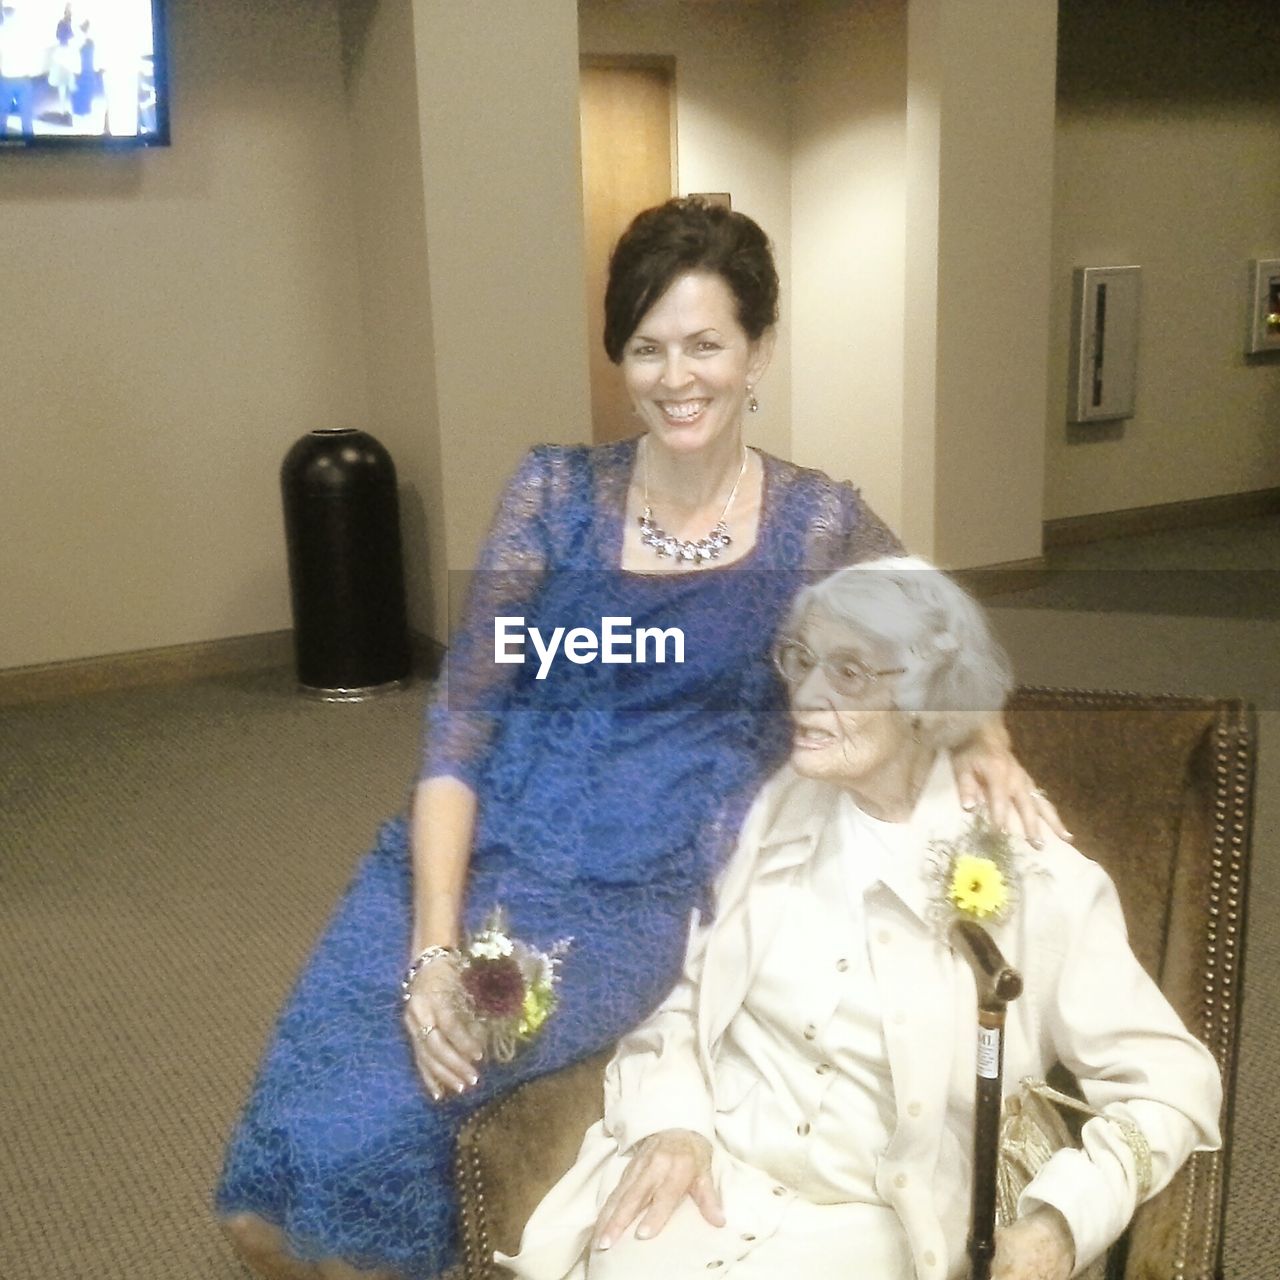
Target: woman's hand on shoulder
(1037,1247)
(986,769)
(445,1043)
(665,1168)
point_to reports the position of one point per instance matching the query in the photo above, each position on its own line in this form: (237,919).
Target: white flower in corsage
(975,876)
(508,986)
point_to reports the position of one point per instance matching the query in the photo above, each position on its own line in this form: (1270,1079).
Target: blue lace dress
(608,796)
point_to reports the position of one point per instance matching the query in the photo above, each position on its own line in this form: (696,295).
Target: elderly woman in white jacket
(802,1103)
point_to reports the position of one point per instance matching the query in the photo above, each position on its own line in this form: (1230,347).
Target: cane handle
(998,982)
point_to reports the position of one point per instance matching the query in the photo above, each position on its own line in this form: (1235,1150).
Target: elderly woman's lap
(837,1242)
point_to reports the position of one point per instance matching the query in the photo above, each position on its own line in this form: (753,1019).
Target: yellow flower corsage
(975,876)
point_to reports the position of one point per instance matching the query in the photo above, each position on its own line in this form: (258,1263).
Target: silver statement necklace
(695,550)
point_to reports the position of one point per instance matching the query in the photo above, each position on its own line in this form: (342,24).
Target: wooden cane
(997,984)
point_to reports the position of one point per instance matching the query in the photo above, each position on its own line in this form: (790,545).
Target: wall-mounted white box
(1104,342)
(1264,305)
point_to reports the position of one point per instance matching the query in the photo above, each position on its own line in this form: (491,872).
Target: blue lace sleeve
(837,527)
(469,695)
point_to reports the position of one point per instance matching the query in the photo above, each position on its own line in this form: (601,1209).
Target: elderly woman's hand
(986,768)
(1037,1247)
(666,1167)
(445,1043)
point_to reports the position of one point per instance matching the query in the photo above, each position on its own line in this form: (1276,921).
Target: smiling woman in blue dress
(591,800)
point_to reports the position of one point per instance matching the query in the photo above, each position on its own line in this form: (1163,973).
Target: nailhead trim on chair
(475,1223)
(1233,768)
(477,1253)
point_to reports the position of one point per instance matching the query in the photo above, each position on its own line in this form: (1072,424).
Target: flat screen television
(89,73)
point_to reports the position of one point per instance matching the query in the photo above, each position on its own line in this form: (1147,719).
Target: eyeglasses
(848,676)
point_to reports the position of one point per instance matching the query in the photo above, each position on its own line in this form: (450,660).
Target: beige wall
(172,322)
(980,112)
(848,204)
(1168,155)
(916,129)
(732,107)
(921,196)
(389,193)
(498,104)
(392,239)
(370,216)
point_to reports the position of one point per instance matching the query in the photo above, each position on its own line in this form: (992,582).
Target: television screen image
(83,73)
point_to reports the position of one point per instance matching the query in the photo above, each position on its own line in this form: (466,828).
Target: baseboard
(428,654)
(1070,531)
(174,664)
(996,579)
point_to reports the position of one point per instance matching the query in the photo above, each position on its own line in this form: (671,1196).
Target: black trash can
(346,576)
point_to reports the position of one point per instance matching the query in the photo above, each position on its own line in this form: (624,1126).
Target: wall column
(498,114)
(980,142)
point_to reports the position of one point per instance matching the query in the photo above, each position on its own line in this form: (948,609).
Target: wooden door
(626,115)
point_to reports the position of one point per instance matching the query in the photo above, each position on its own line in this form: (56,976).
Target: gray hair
(957,674)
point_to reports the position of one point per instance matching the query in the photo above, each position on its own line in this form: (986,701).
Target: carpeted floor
(168,855)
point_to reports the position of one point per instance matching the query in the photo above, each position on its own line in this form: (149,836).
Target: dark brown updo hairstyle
(688,234)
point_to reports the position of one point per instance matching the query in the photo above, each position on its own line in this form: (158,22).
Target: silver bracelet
(420,962)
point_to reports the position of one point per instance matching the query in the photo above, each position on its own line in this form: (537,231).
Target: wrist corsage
(508,986)
(975,876)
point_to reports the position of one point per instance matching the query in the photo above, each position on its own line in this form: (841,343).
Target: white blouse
(804,1062)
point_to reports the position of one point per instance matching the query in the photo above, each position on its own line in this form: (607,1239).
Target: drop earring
(753,405)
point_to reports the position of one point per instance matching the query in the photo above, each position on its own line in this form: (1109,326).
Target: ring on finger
(1039,793)
(424,1032)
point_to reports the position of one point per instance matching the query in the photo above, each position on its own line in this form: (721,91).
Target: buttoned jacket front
(1087,1003)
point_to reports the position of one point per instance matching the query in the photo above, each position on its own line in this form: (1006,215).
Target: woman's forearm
(444,820)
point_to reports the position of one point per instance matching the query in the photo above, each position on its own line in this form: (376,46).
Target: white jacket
(1087,1003)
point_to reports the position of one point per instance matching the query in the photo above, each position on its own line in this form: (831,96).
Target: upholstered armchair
(1158,790)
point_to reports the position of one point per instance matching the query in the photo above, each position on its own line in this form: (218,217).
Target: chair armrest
(1178,1233)
(512,1151)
